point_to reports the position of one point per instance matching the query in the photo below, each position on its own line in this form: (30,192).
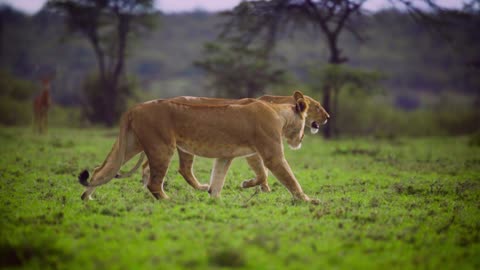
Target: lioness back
(214,130)
(211,101)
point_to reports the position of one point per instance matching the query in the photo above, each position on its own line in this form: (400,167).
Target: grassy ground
(388,204)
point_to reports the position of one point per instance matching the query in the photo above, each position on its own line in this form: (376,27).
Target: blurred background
(380,68)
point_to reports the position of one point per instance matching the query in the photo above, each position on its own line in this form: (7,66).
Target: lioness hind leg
(158,158)
(145,173)
(261,173)
(186,170)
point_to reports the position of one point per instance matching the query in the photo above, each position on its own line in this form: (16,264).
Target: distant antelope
(40,107)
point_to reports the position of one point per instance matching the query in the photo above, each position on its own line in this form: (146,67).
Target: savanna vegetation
(417,71)
(398,180)
(390,203)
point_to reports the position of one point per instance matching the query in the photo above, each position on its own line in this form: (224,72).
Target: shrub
(14,112)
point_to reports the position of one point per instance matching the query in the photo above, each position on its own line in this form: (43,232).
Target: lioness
(316,115)
(254,127)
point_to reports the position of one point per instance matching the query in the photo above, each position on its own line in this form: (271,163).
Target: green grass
(384,204)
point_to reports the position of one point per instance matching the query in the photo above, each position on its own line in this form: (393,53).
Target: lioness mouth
(314,127)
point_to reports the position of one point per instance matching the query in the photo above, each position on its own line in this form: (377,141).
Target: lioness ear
(297,95)
(301,106)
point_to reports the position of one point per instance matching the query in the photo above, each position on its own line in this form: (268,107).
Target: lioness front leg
(186,170)
(217,179)
(255,162)
(276,163)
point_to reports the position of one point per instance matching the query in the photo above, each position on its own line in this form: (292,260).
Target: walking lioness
(223,132)
(316,116)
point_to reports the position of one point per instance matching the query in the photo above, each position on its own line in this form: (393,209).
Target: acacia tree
(264,21)
(237,72)
(459,27)
(107,26)
(338,78)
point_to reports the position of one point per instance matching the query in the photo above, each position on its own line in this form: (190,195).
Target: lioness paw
(315,201)
(248,183)
(265,188)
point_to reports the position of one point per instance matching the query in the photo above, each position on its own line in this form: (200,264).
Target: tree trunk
(92,36)
(122,31)
(334,59)
(251,90)
(335,111)
(327,130)
(111,95)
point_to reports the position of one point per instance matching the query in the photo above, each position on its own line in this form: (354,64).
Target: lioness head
(316,114)
(296,130)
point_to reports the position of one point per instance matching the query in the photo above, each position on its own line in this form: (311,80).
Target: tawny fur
(221,131)
(315,114)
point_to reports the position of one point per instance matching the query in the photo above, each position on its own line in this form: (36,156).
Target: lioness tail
(139,163)
(83,177)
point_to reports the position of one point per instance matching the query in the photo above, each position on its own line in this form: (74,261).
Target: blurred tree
(15,99)
(338,77)
(238,71)
(460,28)
(265,20)
(415,62)
(107,25)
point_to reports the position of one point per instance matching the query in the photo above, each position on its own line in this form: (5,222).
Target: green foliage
(14,112)
(16,96)
(406,53)
(96,100)
(376,115)
(337,77)
(107,26)
(475,139)
(331,79)
(238,71)
(15,88)
(61,116)
(398,203)
(16,102)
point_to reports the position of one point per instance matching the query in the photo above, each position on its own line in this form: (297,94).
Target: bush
(15,100)
(474,139)
(60,116)
(15,88)
(14,112)
(376,115)
(101,107)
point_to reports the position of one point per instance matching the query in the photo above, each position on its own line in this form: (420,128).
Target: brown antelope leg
(255,162)
(42,123)
(45,122)
(186,170)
